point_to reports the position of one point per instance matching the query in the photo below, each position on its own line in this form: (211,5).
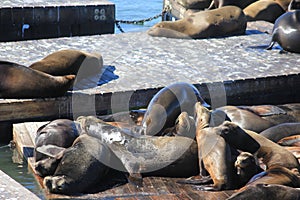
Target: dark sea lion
(266,191)
(81,167)
(17,81)
(245,118)
(222,3)
(245,140)
(166,106)
(281,131)
(294,5)
(266,10)
(66,62)
(284,4)
(174,156)
(51,140)
(221,22)
(288,40)
(246,166)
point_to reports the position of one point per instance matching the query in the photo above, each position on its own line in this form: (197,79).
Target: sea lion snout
(55,184)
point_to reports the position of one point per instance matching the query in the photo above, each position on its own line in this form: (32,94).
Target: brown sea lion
(50,142)
(225,21)
(288,40)
(245,140)
(222,3)
(246,166)
(166,106)
(17,81)
(66,62)
(215,155)
(245,118)
(290,141)
(266,10)
(267,191)
(81,167)
(281,131)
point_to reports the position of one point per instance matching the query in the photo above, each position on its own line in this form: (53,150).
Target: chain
(117,22)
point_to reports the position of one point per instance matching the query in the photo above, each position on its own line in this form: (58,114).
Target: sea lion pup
(174,156)
(17,81)
(246,167)
(50,142)
(281,131)
(271,153)
(225,21)
(68,61)
(266,191)
(80,168)
(166,106)
(184,126)
(266,10)
(288,40)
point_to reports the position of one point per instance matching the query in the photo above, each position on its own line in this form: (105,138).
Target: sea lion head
(56,184)
(185,125)
(237,137)
(243,161)
(201,115)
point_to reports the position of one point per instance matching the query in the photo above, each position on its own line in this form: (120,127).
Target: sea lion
(221,22)
(184,126)
(167,104)
(293,141)
(245,140)
(174,156)
(246,167)
(17,81)
(245,118)
(288,40)
(194,4)
(277,175)
(50,142)
(222,3)
(80,168)
(294,5)
(68,61)
(266,10)
(266,191)
(214,155)
(281,131)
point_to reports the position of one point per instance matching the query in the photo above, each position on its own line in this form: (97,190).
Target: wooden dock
(27,20)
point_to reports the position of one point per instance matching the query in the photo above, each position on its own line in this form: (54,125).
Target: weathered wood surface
(154,187)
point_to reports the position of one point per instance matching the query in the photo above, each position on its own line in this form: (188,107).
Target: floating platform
(232,70)
(32,19)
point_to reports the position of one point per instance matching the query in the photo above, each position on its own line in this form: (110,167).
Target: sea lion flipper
(196,180)
(270,45)
(136,179)
(52,151)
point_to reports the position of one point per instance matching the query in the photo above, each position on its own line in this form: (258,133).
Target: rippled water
(137,10)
